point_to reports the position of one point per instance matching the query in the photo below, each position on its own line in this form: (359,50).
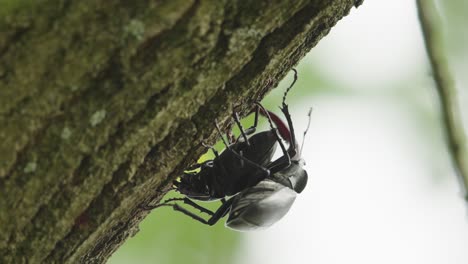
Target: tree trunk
(103,103)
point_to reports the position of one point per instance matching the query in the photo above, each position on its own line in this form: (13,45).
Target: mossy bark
(103,103)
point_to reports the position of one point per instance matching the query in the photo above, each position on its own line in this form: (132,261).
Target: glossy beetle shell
(260,206)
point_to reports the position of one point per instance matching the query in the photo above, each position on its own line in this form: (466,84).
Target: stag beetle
(240,166)
(268,188)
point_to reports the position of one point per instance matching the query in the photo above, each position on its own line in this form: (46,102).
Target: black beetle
(268,188)
(240,166)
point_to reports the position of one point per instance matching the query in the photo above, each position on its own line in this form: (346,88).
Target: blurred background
(381,185)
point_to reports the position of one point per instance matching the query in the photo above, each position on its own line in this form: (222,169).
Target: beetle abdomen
(260,206)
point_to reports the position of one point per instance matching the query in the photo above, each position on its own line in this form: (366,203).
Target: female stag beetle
(260,191)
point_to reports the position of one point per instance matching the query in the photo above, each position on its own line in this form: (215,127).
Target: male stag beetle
(257,195)
(241,166)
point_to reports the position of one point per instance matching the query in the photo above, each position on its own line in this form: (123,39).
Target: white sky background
(377,192)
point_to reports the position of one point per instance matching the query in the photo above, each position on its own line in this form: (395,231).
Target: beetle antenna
(221,134)
(305,132)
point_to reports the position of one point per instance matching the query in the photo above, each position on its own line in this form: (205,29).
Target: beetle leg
(275,132)
(221,134)
(285,110)
(193,167)
(263,169)
(253,128)
(221,212)
(185,200)
(292,147)
(215,152)
(249,131)
(236,119)
(177,208)
(201,208)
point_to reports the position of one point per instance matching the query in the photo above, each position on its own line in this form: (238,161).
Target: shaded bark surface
(103,103)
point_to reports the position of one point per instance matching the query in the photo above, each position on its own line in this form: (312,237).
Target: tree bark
(104,103)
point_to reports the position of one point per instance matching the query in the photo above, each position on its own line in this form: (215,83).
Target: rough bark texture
(103,103)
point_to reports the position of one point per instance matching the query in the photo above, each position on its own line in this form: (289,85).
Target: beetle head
(298,180)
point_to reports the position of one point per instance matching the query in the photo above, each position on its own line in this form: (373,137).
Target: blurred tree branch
(454,131)
(103,103)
